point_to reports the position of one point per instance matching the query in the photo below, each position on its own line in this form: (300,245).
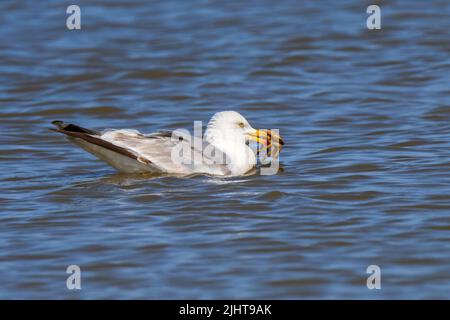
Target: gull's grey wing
(90,136)
(181,154)
(121,158)
(131,151)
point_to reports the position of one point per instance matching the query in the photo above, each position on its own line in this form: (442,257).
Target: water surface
(365,180)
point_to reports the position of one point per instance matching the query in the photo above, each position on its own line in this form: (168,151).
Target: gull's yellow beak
(271,141)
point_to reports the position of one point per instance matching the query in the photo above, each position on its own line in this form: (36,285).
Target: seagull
(224,150)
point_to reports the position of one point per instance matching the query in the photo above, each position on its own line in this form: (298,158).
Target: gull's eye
(241,124)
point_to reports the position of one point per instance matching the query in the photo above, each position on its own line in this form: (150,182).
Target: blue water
(365,171)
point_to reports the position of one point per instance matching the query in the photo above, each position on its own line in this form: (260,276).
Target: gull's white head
(230,132)
(228,125)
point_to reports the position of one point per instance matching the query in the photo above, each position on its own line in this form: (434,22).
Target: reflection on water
(365,176)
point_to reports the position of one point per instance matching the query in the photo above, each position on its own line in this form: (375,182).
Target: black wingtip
(59,124)
(62,126)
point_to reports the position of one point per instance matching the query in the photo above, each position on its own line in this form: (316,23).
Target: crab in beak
(268,139)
